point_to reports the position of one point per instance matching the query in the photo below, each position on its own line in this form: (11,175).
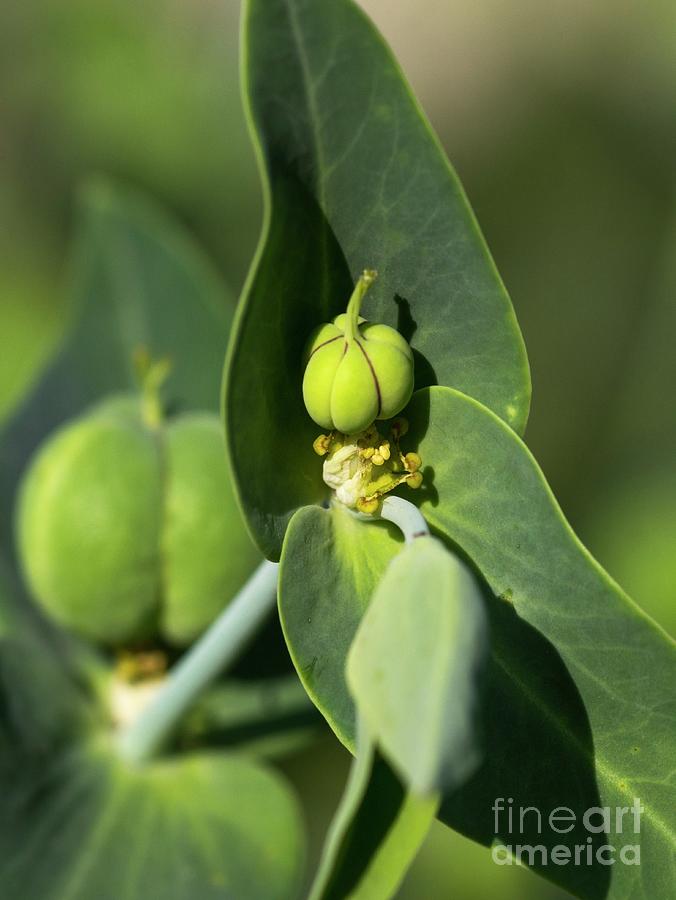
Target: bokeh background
(560,117)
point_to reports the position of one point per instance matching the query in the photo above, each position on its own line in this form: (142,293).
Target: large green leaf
(498,508)
(76,822)
(87,826)
(375,834)
(579,698)
(136,280)
(353,178)
(330,567)
(416,658)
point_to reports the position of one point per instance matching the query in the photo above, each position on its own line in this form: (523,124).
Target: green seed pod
(356,372)
(126,532)
(206,550)
(88,526)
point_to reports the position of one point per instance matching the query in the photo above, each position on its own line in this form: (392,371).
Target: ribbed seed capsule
(356,372)
(128,532)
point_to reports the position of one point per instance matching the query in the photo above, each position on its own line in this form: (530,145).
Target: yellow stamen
(414,480)
(412,462)
(322,444)
(367,505)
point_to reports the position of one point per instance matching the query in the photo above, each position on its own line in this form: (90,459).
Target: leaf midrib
(310,96)
(313,121)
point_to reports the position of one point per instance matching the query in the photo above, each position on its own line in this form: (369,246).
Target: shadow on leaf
(531,709)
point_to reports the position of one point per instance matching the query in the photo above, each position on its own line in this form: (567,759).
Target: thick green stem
(366,279)
(206,659)
(405,516)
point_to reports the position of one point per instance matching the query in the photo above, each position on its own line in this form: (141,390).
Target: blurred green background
(561,120)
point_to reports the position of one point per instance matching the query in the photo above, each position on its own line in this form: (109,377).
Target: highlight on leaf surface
(340,196)
(414,667)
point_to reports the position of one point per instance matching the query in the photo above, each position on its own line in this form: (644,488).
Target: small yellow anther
(412,462)
(367,505)
(414,480)
(363,467)
(322,444)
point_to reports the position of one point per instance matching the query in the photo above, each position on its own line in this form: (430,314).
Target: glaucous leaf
(375,834)
(330,567)
(76,822)
(86,825)
(582,681)
(414,666)
(578,703)
(353,178)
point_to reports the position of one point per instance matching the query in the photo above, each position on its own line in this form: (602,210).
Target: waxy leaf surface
(76,822)
(87,826)
(579,702)
(375,834)
(499,509)
(354,178)
(331,565)
(414,665)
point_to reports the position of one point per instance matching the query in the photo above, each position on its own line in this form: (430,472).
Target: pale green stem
(405,516)
(216,649)
(366,279)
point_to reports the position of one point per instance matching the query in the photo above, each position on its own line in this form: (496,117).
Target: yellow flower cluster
(361,468)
